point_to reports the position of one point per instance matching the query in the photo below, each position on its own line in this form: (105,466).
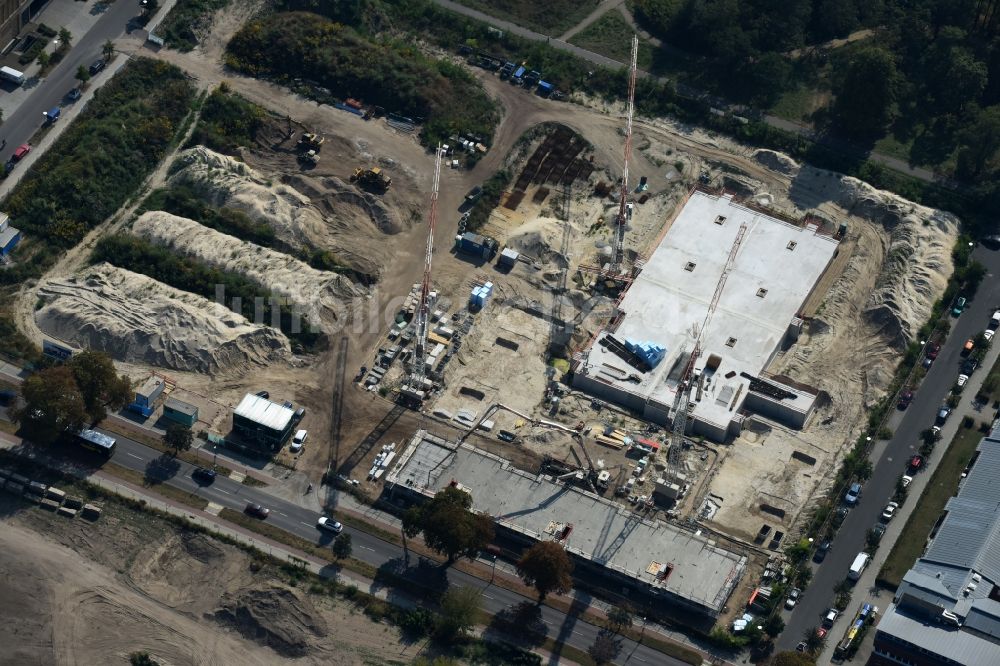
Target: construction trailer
(180,412)
(146,395)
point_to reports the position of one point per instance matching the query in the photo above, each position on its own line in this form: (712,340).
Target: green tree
(82,74)
(459,612)
(774,625)
(547,568)
(620,617)
(52,404)
(448,526)
(100,384)
(342,547)
(43,59)
(108,50)
(814,642)
(605,648)
(658,16)
(866,97)
(178,437)
(65,36)
(792,659)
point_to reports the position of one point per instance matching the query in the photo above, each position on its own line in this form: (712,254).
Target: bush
(33,51)
(227,122)
(180,27)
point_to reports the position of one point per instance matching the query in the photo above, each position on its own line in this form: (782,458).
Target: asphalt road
(908,425)
(559,626)
(21,125)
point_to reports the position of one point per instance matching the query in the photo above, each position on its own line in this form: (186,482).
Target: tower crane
(415,388)
(682,397)
(624,206)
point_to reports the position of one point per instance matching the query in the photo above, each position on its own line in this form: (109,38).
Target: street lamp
(493,575)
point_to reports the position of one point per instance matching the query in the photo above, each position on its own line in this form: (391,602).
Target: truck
(371,179)
(12,75)
(476,244)
(52,115)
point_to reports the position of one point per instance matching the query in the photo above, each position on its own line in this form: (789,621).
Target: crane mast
(423,308)
(621,221)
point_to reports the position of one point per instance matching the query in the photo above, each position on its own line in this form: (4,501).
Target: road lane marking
(488,596)
(133,455)
(281,514)
(367,548)
(305,523)
(224,491)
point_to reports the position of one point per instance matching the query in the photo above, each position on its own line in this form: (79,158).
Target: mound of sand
(308,212)
(777,161)
(321,296)
(540,239)
(276,617)
(137,319)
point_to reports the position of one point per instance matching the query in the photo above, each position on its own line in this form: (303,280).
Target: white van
(860,562)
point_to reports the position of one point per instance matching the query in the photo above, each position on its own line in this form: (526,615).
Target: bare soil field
(83,593)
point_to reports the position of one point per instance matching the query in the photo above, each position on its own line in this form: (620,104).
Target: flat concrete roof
(774,271)
(181,406)
(264,412)
(602,531)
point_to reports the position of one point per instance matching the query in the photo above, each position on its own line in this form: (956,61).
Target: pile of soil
(139,320)
(275,616)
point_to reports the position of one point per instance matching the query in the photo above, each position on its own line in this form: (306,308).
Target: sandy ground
(82,593)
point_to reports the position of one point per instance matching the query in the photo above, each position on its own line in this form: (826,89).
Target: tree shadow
(425,579)
(520,624)
(161,469)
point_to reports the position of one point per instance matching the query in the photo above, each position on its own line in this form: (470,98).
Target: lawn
(551,18)
(942,486)
(611,36)
(799,104)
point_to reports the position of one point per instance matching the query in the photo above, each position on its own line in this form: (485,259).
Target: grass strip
(170,492)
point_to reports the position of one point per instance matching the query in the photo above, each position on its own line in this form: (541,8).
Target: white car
(793,598)
(962,379)
(298,441)
(329,524)
(890,511)
(907,480)
(988,334)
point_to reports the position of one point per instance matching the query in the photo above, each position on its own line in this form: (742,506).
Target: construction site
(657,344)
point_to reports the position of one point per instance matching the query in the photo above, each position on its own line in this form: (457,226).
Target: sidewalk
(865,590)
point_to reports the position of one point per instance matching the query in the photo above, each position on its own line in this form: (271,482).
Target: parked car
(263,394)
(962,380)
(992,242)
(915,464)
(204,474)
(988,334)
(853,493)
(361,373)
(943,414)
(74,95)
(840,515)
(877,532)
(256,510)
(821,552)
(889,511)
(792,598)
(906,480)
(97,66)
(967,348)
(970,366)
(905,398)
(830,617)
(21,152)
(298,441)
(959,306)
(329,524)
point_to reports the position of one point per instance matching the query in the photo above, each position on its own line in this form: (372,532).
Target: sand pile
(777,161)
(540,239)
(276,617)
(308,212)
(321,296)
(137,319)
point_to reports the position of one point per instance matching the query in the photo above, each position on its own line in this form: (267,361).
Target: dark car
(905,398)
(97,66)
(970,366)
(840,515)
(74,95)
(205,474)
(992,242)
(361,373)
(877,532)
(915,464)
(821,552)
(263,394)
(943,414)
(6,397)
(256,510)
(933,349)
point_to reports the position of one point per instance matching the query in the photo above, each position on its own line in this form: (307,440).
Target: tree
(82,74)
(866,98)
(108,50)
(178,437)
(620,617)
(448,526)
(65,36)
(792,659)
(52,404)
(546,567)
(459,612)
(43,59)
(604,648)
(100,384)
(774,625)
(342,547)
(814,642)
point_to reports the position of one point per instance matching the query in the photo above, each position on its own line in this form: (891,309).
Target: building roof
(962,647)
(180,406)
(150,386)
(7,235)
(774,270)
(264,412)
(602,531)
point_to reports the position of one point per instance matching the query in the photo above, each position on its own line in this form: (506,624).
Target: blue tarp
(351,109)
(649,352)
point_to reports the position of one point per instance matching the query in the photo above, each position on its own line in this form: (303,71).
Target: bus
(96,441)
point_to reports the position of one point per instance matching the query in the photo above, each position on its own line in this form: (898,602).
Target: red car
(905,398)
(932,350)
(21,151)
(915,464)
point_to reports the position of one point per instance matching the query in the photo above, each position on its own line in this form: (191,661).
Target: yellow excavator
(372,179)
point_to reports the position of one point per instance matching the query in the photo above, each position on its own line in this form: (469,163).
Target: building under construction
(680,568)
(725,285)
